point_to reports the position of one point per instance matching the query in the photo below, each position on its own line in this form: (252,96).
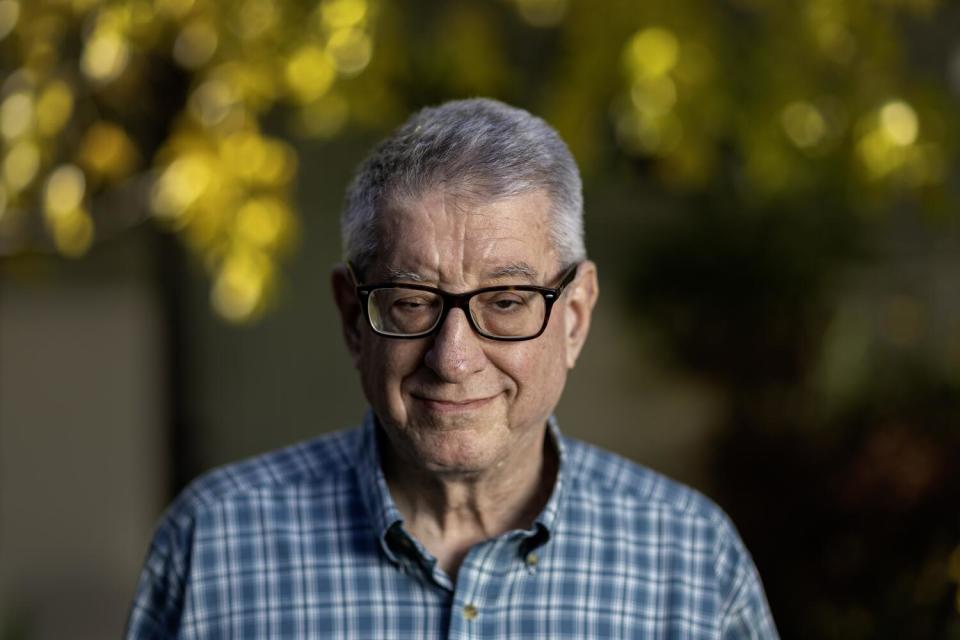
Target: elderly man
(457,509)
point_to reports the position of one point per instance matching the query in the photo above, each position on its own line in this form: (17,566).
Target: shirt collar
(376,497)
(548,517)
(384,516)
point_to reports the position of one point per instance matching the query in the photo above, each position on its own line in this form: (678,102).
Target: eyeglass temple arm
(570,277)
(353,273)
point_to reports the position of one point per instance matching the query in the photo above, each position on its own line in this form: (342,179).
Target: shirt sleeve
(158,603)
(744,614)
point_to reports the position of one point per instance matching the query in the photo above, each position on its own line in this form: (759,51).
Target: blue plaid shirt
(306,542)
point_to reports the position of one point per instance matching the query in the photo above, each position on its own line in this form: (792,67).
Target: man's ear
(581,296)
(351,317)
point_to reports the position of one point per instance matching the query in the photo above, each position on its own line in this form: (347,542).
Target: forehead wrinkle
(514,270)
(459,226)
(494,238)
(458,240)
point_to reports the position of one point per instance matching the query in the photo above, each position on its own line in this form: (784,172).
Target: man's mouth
(440,404)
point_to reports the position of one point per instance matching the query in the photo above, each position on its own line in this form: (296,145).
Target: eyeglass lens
(506,314)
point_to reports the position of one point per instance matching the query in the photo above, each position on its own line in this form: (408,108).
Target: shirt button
(532,559)
(470,612)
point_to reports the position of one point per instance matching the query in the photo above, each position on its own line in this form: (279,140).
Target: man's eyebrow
(394,275)
(514,270)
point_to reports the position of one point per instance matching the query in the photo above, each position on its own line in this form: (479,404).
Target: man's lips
(448,404)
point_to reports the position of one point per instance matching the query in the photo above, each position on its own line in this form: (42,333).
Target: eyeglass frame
(462,301)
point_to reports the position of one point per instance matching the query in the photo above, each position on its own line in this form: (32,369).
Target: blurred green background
(771,194)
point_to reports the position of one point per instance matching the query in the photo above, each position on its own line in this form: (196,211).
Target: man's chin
(454,446)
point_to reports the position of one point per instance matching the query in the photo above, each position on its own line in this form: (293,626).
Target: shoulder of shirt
(309,461)
(608,476)
(599,477)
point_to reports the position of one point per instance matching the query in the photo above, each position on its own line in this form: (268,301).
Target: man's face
(457,402)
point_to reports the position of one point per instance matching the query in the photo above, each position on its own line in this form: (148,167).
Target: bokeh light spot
(240,284)
(803,124)
(309,73)
(834,37)
(21,164)
(106,55)
(180,185)
(212,101)
(64,190)
(207,225)
(107,151)
(195,45)
(342,14)
(279,164)
(72,232)
(350,50)
(899,122)
(888,146)
(257,160)
(245,153)
(324,118)
(255,18)
(651,52)
(879,157)
(262,222)
(654,96)
(9,15)
(542,13)
(54,107)
(250,83)
(16,115)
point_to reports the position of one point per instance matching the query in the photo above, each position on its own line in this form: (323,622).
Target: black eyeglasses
(510,313)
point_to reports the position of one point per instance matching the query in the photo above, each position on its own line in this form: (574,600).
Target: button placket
(474,580)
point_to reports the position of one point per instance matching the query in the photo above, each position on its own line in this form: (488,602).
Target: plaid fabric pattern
(306,542)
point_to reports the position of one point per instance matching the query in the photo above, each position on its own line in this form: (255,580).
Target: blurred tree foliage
(743,158)
(107,101)
(117,110)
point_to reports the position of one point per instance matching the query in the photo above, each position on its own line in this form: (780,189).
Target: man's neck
(450,513)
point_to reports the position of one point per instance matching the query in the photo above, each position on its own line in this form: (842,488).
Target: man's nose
(456,351)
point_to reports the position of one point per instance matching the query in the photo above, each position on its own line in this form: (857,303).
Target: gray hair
(478,149)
